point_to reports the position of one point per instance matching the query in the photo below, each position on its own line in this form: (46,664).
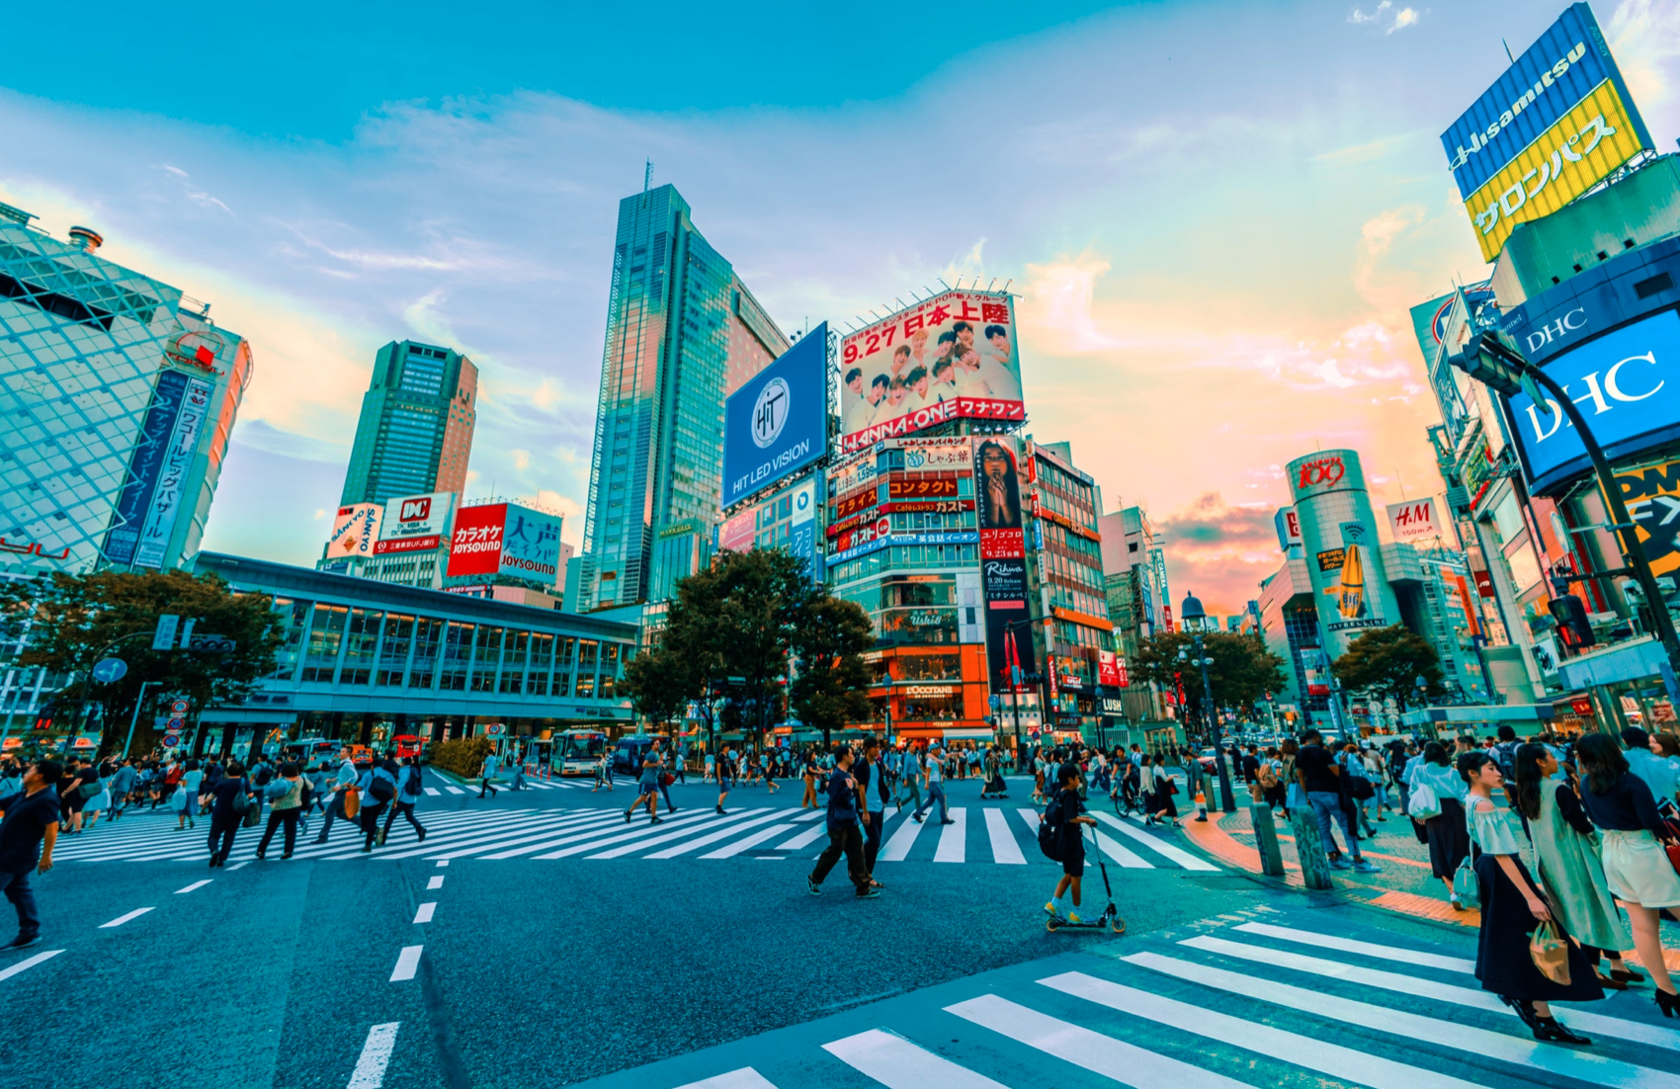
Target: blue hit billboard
(777,423)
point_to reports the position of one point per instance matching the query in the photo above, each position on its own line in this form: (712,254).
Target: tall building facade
(119,395)
(416,428)
(682,332)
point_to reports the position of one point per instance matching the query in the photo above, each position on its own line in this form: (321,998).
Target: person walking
(122,784)
(343,784)
(603,772)
(1318,773)
(518,781)
(1162,808)
(410,787)
(909,778)
(285,808)
(844,835)
(1636,868)
(192,779)
(810,798)
(725,777)
(1444,827)
(1566,848)
(230,798)
(28,832)
(872,793)
(379,789)
(653,763)
(487,772)
(1512,907)
(935,782)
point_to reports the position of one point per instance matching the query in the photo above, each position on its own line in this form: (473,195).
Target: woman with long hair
(1512,907)
(1447,833)
(1566,847)
(1636,868)
(1162,808)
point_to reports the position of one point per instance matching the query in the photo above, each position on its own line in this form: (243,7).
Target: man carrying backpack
(409,788)
(1061,838)
(379,789)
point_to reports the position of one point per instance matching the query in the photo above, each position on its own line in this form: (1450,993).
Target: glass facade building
(683,331)
(415,431)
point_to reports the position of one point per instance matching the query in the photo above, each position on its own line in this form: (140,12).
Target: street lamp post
(1192,611)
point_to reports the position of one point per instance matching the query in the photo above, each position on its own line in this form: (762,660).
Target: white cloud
(1403,18)
(1356,16)
(1645,39)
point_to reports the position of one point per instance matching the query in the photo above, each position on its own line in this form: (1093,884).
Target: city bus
(579,751)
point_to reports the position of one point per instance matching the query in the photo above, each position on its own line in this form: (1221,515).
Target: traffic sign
(164,638)
(171,740)
(179,707)
(494,729)
(176,724)
(109,670)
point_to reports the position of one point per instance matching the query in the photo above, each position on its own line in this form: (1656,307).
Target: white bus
(579,751)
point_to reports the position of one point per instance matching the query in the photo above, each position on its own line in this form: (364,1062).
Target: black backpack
(1050,829)
(382,787)
(412,787)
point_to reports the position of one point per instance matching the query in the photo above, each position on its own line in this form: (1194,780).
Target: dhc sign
(1625,385)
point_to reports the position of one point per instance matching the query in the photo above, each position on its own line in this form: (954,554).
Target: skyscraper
(682,332)
(416,428)
(119,394)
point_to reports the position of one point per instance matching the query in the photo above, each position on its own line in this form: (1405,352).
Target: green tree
(1387,662)
(73,621)
(1242,672)
(830,689)
(659,683)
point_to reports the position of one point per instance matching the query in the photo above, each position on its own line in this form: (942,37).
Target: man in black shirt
(844,834)
(28,820)
(1320,777)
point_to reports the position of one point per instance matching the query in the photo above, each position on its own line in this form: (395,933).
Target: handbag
(1549,949)
(352,804)
(1422,804)
(1465,886)
(1670,837)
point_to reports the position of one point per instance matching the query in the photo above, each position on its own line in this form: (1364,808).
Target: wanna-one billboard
(1558,122)
(951,357)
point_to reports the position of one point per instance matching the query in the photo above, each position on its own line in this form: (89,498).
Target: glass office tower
(682,332)
(416,428)
(119,394)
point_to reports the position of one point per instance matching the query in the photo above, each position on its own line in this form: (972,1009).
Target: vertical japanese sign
(1003,563)
(530,544)
(355,531)
(173,475)
(144,467)
(1158,567)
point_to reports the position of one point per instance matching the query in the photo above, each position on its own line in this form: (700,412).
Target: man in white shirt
(862,412)
(892,405)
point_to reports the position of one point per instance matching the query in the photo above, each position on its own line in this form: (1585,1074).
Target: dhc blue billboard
(1627,387)
(777,423)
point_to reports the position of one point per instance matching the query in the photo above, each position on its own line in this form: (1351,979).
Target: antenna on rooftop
(647,176)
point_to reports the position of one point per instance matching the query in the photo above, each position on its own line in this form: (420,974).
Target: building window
(457,653)
(326,634)
(427,633)
(484,662)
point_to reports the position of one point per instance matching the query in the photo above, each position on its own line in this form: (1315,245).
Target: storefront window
(918,626)
(932,708)
(930,667)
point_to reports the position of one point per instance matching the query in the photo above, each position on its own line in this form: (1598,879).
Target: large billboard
(355,531)
(1339,540)
(1003,560)
(414,523)
(144,466)
(170,495)
(505,539)
(951,357)
(777,422)
(1652,494)
(1559,121)
(1623,382)
(786,519)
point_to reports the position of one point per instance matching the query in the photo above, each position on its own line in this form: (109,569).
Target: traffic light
(1571,617)
(1500,367)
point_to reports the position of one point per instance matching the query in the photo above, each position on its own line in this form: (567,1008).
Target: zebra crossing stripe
(1593,1069)
(744,1078)
(459,833)
(598,837)
(1400,983)
(953,838)
(1004,847)
(1125,1063)
(454,790)
(433,792)
(696,844)
(804,839)
(898,846)
(753,840)
(710,821)
(1182,857)
(1364,949)
(899,1064)
(510,840)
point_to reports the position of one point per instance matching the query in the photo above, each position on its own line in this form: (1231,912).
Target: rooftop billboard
(354,531)
(777,422)
(951,357)
(1556,123)
(505,539)
(414,523)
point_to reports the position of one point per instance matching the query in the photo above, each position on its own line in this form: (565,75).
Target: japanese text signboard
(1559,121)
(144,466)
(414,523)
(171,494)
(951,357)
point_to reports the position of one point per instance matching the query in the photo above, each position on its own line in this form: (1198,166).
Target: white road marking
(1368,949)
(1100,1054)
(701,841)
(443,862)
(408,961)
(376,1053)
(899,843)
(25,965)
(433,792)
(454,790)
(899,1064)
(194,885)
(424,915)
(1158,845)
(437,881)
(121,919)
(751,841)
(1004,847)
(804,839)
(744,1078)
(240,865)
(953,838)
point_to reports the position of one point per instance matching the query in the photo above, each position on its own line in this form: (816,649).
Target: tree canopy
(76,620)
(1387,662)
(1242,672)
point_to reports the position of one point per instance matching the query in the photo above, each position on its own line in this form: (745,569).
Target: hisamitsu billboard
(777,422)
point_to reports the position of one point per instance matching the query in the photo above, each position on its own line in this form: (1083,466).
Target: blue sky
(1216,213)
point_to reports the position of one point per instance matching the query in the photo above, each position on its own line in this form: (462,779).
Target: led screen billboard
(951,357)
(414,523)
(1557,122)
(1624,384)
(777,422)
(1003,559)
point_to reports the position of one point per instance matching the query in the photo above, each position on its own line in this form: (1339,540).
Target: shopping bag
(1549,949)
(352,804)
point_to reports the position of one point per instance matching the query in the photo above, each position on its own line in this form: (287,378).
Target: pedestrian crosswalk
(1258,998)
(987,836)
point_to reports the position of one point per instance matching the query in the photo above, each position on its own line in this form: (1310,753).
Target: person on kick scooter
(1064,816)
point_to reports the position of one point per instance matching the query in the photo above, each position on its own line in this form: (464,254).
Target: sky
(1215,214)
